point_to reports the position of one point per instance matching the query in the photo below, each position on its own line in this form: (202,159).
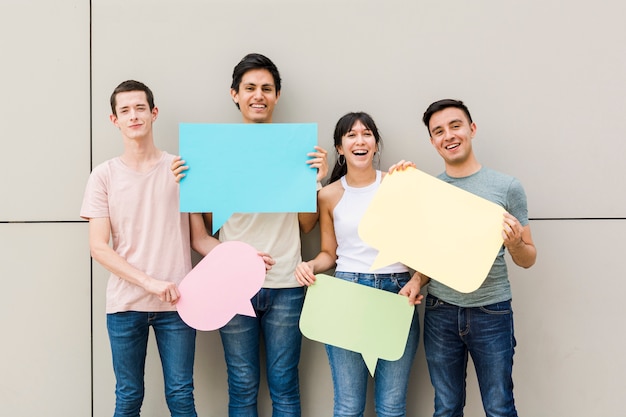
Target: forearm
(423,279)
(204,245)
(114,263)
(200,240)
(523,254)
(323,262)
(308,221)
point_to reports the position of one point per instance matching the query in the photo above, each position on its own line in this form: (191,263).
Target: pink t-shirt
(147,228)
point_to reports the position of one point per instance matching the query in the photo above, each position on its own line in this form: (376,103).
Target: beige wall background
(545,81)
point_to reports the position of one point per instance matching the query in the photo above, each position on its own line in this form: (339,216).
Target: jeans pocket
(432,302)
(500,308)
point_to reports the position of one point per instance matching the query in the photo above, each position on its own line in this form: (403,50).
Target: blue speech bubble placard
(247,168)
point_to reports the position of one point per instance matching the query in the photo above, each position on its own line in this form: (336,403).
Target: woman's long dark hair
(343,126)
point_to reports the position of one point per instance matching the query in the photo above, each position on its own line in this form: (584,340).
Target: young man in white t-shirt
(255,90)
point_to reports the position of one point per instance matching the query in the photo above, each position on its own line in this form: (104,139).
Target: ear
(339,149)
(155,113)
(277,96)
(113,119)
(235,95)
(473,130)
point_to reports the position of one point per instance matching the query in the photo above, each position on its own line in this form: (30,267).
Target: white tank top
(354,255)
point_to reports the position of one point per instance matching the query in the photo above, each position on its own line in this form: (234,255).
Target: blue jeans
(486,333)
(278,315)
(391,378)
(128,334)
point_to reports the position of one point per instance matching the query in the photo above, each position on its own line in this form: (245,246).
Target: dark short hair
(131,85)
(441,105)
(251,62)
(343,126)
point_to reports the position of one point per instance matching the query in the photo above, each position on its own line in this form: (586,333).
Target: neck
(465,169)
(360,177)
(140,155)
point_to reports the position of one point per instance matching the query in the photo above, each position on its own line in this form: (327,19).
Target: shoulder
(166,156)
(106,165)
(102,171)
(331,194)
(492,173)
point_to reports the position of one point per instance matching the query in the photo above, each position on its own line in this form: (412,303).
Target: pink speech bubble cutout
(221,285)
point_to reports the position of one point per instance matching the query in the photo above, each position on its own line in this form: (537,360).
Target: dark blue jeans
(485,333)
(278,316)
(391,379)
(128,334)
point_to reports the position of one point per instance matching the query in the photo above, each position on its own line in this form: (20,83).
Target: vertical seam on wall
(90,169)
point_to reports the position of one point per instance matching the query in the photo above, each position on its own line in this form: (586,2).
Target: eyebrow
(133,105)
(262,85)
(449,123)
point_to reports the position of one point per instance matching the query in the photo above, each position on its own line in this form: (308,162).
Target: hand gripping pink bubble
(221,285)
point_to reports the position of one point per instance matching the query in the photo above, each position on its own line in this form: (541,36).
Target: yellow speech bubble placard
(440,230)
(355,317)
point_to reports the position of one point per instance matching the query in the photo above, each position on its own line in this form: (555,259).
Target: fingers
(511,229)
(319,160)
(401,166)
(178,167)
(412,292)
(268,260)
(170,294)
(304,274)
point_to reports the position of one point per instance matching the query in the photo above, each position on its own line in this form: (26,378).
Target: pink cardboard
(221,285)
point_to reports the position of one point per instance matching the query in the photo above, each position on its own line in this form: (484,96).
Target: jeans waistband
(365,275)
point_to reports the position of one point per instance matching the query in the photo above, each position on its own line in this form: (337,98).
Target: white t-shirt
(147,228)
(277,234)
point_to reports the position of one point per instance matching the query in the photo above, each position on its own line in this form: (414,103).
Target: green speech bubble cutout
(355,317)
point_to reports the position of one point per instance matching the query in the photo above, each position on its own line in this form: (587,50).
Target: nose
(448,134)
(132,114)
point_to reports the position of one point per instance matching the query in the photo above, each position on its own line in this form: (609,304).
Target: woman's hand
(304,274)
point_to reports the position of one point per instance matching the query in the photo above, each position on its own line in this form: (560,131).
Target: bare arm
(308,221)
(319,160)
(412,288)
(201,241)
(99,235)
(519,242)
(326,259)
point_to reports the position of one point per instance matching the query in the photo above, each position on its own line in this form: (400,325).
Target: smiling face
(257,96)
(358,146)
(133,115)
(451,133)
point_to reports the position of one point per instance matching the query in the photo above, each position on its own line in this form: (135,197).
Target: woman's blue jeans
(391,378)
(278,315)
(176,342)
(485,333)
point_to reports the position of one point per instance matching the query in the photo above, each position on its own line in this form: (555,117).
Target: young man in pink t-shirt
(133,199)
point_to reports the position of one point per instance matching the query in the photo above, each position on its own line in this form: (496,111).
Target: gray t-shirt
(507,192)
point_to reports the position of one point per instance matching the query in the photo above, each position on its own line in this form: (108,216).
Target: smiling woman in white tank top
(342,203)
